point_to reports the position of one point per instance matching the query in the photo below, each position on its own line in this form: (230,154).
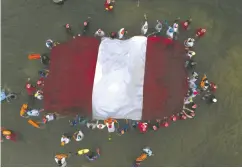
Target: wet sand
(213,138)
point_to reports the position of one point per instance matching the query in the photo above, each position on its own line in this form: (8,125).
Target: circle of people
(197,86)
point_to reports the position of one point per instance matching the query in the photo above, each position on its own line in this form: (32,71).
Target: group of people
(196,87)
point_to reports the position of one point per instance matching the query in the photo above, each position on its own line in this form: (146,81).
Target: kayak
(83,151)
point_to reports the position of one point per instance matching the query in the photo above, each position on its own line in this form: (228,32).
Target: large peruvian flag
(138,78)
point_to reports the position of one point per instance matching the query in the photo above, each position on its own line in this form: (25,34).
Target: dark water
(213,138)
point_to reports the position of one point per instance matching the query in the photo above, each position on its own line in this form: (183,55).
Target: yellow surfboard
(83,151)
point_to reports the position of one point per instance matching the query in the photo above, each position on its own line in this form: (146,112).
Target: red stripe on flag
(68,88)
(165,78)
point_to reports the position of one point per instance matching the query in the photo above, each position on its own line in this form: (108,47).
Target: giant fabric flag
(138,78)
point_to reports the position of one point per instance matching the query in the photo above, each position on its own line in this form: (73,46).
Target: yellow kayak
(83,151)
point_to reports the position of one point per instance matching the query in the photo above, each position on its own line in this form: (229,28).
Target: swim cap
(214,100)
(85,23)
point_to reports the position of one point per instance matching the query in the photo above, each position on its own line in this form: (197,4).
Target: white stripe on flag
(119,79)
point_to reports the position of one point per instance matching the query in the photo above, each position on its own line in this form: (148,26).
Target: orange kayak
(34,56)
(34,123)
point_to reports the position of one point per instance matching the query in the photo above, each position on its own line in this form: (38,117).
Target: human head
(85,23)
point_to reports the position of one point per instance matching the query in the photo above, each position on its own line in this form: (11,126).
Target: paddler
(121,33)
(109,4)
(200,32)
(78,136)
(186,24)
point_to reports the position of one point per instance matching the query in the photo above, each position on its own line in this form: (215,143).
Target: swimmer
(99,33)
(189,43)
